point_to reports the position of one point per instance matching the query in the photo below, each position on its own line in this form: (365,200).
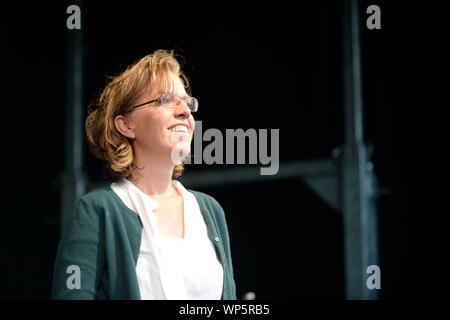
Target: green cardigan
(103,236)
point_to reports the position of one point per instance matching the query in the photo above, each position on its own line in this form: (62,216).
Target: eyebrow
(161,92)
(185,96)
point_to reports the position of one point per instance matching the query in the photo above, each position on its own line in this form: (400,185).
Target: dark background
(262,66)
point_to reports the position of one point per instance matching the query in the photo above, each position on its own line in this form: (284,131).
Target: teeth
(179,129)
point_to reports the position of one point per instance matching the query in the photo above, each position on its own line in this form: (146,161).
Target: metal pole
(73,179)
(358,181)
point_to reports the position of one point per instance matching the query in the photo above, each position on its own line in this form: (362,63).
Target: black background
(255,66)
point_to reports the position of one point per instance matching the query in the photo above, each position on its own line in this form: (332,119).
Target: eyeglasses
(170,100)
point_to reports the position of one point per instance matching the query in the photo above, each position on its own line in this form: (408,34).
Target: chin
(179,151)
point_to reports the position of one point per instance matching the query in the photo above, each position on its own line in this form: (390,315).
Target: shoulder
(204,197)
(98,197)
(206,201)
(98,202)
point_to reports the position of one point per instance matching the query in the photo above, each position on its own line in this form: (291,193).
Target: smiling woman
(145,236)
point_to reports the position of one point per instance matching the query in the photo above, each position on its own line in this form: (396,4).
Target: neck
(155,177)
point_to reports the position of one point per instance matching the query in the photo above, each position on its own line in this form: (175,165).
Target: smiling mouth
(180,128)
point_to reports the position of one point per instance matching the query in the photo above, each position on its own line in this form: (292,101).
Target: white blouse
(169,267)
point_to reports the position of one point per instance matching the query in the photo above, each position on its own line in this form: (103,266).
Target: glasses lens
(167,99)
(192,103)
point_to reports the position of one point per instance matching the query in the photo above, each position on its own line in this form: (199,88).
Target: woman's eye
(165,101)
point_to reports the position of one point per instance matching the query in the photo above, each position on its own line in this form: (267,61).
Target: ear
(123,126)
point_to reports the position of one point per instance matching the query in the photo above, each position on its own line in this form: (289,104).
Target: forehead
(169,83)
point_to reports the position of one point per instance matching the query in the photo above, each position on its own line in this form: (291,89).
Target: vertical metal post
(321,110)
(358,181)
(73,179)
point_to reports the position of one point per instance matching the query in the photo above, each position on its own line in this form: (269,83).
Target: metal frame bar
(73,184)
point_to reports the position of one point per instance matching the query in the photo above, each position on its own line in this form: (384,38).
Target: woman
(144,236)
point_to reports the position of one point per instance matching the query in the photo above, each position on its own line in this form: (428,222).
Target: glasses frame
(159,99)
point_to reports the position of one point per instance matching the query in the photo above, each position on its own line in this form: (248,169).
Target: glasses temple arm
(142,104)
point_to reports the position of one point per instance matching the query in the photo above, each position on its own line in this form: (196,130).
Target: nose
(182,110)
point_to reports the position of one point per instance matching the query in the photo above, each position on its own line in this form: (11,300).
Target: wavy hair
(119,95)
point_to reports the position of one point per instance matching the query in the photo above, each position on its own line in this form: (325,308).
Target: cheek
(192,124)
(147,129)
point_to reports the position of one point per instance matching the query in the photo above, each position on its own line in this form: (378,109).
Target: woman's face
(154,125)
